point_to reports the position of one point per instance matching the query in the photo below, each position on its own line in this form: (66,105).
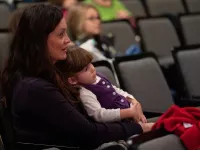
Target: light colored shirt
(94,109)
(89,46)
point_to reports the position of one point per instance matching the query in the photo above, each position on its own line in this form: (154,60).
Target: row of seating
(157,34)
(142,76)
(141,8)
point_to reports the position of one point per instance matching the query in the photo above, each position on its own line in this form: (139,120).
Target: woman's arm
(46,102)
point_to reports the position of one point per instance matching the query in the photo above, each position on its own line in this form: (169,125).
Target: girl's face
(92,23)
(87,75)
(58,42)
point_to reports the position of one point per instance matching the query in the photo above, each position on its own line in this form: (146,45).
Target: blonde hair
(75,19)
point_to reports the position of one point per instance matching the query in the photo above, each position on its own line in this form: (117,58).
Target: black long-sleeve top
(41,114)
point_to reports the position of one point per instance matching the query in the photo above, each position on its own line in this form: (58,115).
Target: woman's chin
(64,57)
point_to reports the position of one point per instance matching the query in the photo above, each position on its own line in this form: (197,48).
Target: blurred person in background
(84,26)
(110,9)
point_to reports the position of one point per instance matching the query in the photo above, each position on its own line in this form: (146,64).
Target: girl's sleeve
(94,109)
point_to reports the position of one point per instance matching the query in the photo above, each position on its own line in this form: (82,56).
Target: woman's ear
(72,80)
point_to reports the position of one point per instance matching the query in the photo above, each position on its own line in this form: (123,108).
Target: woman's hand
(141,116)
(135,112)
(146,127)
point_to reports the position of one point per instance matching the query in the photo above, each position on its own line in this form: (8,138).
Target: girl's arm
(94,109)
(133,101)
(129,97)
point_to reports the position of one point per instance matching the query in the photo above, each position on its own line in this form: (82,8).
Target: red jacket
(184,122)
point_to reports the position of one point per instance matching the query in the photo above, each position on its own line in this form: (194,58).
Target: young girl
(102,101)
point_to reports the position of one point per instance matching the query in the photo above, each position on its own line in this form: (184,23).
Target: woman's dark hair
(28,55)
(14,20)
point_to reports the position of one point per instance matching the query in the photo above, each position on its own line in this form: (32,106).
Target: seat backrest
(193,5)
(27,4)
(104,67)
(135,7)
(5,15)
(160,7)
(188,62)
(158,35)
(191,28)
(167,142)
(123,33)
(142,77)
(4,47)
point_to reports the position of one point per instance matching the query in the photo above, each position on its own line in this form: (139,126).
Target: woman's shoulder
(33,85)
(36,90)
(35,82)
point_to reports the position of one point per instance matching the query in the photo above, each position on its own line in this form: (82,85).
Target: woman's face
(92,23)
(58,42)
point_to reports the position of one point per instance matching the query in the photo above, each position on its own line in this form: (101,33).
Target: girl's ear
(72,80)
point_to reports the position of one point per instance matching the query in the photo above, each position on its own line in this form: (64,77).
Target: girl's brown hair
(77,59)
(76,17)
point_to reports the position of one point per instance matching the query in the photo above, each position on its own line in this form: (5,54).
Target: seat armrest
(136,140)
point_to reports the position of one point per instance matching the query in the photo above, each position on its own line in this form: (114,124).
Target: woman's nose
(67,39)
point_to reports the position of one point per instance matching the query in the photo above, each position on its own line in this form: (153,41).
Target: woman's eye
(62,33)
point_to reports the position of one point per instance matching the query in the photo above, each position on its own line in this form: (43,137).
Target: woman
(43,110)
